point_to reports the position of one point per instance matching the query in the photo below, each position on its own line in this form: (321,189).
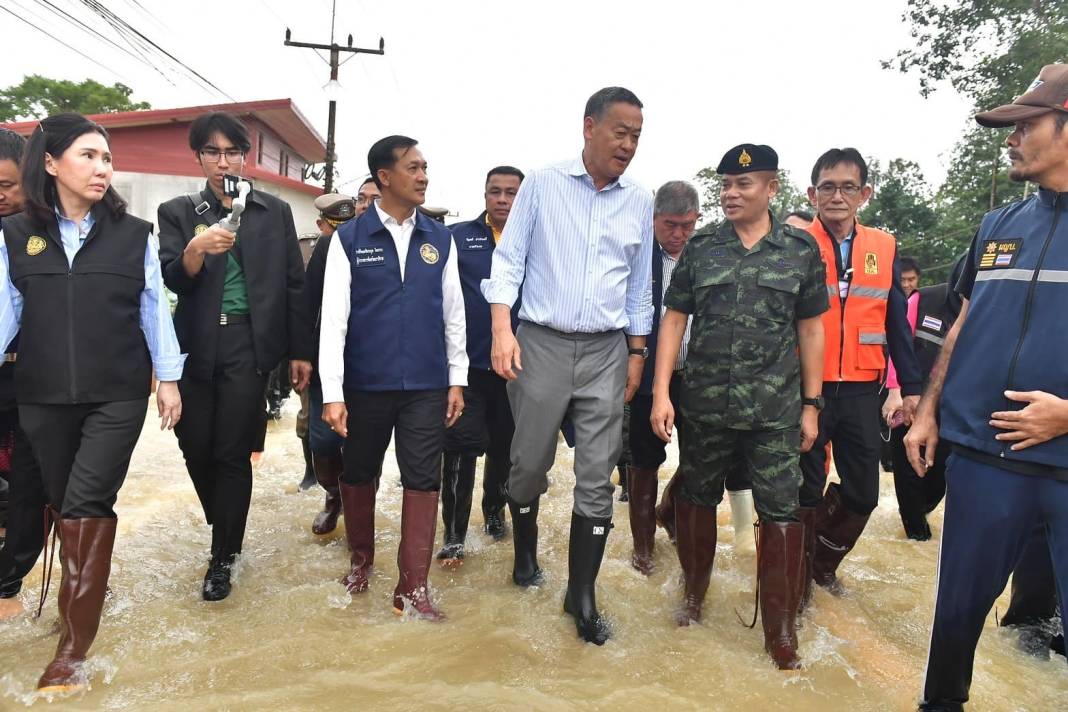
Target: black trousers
(219,424)
(647,451)
(83,451)
(851,424)
(25,525)
(417,417)
(486,427)
(917,496)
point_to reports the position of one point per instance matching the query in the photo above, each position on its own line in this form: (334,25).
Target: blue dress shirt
(583,256)
(156,322)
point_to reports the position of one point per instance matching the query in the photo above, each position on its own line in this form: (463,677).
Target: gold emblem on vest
(745,159)
(35,245)
(429,253)
(199,229)
(871,263)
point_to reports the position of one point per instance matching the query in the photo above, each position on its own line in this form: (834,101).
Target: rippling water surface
(290,638)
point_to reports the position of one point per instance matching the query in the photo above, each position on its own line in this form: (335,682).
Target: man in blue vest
(393,359)
(1005,408)
(487,426)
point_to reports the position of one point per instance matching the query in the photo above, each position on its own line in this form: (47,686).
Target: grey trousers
(580,375)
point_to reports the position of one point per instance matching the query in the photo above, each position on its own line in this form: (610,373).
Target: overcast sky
(485,83)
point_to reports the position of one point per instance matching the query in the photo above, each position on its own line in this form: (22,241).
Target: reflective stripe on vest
(854,339)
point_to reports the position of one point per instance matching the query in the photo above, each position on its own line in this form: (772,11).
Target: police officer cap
(434,213)
(747,158)
(336,207)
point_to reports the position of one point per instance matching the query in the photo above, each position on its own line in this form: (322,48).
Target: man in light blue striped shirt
(579,241)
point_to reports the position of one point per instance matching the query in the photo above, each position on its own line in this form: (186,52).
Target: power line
(51,36)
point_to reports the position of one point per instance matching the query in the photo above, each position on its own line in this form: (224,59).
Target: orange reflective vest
(854,331)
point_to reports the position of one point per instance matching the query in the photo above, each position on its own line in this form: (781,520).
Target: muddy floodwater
(290,638)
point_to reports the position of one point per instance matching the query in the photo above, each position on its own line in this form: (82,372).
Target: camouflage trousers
(708,453)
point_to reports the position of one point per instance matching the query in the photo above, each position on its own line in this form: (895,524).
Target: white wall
(145,191)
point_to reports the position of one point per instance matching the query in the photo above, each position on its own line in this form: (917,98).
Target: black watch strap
(818,402)
(643,352)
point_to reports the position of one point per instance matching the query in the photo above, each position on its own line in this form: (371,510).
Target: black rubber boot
(309,480)
(623,470)
(525,570)
(457,483)
(585,551)
(217,579)
(494,476)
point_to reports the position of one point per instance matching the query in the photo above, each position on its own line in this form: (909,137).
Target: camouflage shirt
(742,370)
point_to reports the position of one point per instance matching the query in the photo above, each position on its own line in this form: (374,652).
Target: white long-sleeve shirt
(337,292)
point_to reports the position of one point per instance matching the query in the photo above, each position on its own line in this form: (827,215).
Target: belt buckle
(223,320)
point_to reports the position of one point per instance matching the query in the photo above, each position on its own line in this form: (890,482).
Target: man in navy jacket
(487,426)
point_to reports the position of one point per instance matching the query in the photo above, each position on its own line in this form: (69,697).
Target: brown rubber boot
(358,501)
(696,528)
(642,495)
(327,471)
(419,516)
(86,561)
(807,515)
(780,564)
(836,532)
(665,511)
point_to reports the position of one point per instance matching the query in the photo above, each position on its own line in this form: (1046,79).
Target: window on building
(259,148)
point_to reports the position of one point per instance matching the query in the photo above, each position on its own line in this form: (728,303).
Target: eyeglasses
(212,154)
(827,190)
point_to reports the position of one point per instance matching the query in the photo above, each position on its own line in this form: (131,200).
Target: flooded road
(290,638)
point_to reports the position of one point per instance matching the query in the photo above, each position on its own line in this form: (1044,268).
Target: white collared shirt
(337,293)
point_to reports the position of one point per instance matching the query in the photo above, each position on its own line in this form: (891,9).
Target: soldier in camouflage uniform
(756,289)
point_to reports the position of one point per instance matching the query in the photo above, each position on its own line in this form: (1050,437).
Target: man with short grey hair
(579,240)
(675,213)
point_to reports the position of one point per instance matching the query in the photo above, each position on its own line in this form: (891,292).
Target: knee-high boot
(328,471)
(358,502)
(87,545)
(837,531)
(585,552)
(457,486)
(665,511)
(807,515)
(696,543)
(525,569)
(419,514)
(494,475)
(780,563)
(643,484)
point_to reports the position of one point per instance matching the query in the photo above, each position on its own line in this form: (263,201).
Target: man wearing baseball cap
(1005,409)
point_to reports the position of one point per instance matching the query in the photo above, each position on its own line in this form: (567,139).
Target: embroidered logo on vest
(999,254)
(429,253)
(35,245)
(871,263)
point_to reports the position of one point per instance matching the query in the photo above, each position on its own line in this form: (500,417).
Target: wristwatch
(643,352)
(818,402)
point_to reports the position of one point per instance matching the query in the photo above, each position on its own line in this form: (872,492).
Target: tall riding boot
(309,466)
(419,514)
(358,501)
(742,518)
(328,471)
(807,515)
(665,511)
(643,485)
(457,485)
(624,476)
(585,551)
(837,531)
(525,569)
(696,543)
(87,545)
(780,565)
(494,476)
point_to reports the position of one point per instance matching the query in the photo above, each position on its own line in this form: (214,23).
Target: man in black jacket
(240,312)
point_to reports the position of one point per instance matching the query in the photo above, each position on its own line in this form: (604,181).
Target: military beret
(336,207)
(434,213)
(748,157)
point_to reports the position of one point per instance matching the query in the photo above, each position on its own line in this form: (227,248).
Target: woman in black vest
(86,285)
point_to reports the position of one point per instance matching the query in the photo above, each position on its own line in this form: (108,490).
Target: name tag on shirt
(475,242)
(370,256)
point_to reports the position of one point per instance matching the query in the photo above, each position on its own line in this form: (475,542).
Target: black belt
(231,319)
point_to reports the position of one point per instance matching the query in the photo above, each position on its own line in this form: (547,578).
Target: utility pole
(335,52)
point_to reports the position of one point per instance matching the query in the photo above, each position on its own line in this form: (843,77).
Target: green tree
(37,97)
(990,51)
(788,199)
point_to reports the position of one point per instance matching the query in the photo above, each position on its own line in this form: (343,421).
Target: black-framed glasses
(827,190)
(212,154)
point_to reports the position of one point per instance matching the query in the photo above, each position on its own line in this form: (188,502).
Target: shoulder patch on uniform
(1000,253)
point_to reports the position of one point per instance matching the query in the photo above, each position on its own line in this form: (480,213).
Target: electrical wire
(51,36)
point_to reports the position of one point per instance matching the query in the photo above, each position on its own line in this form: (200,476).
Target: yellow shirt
(493,229)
